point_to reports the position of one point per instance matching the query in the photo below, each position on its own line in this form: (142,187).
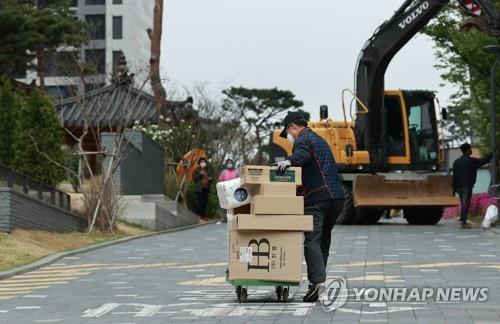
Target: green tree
(36,29)
(8,113)
(259,110)
(38,141)
(465,66)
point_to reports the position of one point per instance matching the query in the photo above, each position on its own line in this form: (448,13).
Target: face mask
(230,166)
(203,164)
(290,138)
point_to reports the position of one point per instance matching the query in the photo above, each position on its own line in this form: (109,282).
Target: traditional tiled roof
(113,105)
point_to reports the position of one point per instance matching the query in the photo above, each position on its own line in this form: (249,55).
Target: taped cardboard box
(276,189)
(277,205)
(266,255)
(248,222)
(259,174)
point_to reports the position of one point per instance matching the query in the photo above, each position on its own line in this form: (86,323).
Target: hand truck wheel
(238,292)
(285,294)
(279,292)
(244,295)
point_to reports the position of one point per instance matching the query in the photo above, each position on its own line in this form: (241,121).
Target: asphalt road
(179,277)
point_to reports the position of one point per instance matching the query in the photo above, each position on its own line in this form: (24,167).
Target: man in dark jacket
(322,191)
(464,178)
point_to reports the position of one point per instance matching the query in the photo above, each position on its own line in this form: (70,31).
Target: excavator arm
(380,49)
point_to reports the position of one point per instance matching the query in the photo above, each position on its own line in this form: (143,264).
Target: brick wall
(21,211)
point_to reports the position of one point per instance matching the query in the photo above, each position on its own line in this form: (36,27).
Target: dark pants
(202,197)
(317,242)
(465,195)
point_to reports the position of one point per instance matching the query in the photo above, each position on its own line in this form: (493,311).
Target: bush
(8,114)
(478,205)
(171,185)
(38,130)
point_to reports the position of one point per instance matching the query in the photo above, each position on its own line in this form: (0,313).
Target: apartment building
(117,27)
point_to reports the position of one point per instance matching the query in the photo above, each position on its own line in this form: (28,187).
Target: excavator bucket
(377,191)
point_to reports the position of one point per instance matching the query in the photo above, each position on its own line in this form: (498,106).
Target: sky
(309,47)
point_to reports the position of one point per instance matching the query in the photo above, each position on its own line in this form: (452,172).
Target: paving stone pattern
(179,277)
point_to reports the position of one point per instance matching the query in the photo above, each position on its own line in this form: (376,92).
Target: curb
(57,256)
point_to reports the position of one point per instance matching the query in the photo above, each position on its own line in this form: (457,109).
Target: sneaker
(464,225)
(313,293)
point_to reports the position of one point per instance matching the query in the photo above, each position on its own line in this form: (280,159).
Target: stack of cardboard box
(266,237)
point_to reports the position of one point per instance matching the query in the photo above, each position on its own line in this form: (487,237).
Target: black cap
(292,116)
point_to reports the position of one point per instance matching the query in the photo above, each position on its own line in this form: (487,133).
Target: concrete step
(156,212)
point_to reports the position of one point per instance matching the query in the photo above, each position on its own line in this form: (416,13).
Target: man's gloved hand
(282,166)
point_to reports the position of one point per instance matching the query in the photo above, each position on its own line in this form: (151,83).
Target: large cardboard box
(276,189)
(259,174)
(277,205)
(266,255)
(248,222)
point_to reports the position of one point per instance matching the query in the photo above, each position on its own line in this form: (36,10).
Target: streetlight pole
(493,49)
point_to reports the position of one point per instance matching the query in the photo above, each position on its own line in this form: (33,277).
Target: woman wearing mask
(202,181)
(229,173)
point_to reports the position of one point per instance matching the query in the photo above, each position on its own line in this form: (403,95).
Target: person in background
(202,180)
(229,173)
(464,178)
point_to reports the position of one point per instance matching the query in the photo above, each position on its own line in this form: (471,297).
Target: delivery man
(322,191)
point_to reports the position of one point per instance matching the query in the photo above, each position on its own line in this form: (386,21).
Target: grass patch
(21,247)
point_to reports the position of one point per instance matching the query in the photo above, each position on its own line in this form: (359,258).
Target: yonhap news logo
(334,294)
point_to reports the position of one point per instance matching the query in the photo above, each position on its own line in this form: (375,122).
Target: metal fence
(33,188)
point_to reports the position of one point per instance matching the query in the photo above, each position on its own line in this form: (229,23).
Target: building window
(97,59)
(59,92)
(73,3)
(62,63)
(117,2)
(117,27)
(97,26)
(116,59)
(95,2)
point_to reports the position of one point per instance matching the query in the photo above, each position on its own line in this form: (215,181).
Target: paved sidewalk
(179,277)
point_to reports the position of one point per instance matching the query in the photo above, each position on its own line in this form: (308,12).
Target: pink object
(228,174)
(478,205)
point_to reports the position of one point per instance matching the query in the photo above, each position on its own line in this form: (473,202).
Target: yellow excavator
(390,150)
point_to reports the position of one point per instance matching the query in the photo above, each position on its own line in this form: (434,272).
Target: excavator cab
(412,134)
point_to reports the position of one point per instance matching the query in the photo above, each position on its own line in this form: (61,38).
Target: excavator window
(395,127)
(422,130)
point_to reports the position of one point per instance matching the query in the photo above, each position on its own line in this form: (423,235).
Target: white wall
(137,17)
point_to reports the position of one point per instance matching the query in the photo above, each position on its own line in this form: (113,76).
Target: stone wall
(18,210)
(142,169)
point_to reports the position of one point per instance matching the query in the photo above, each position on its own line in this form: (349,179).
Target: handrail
(33,188)
(365,109)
